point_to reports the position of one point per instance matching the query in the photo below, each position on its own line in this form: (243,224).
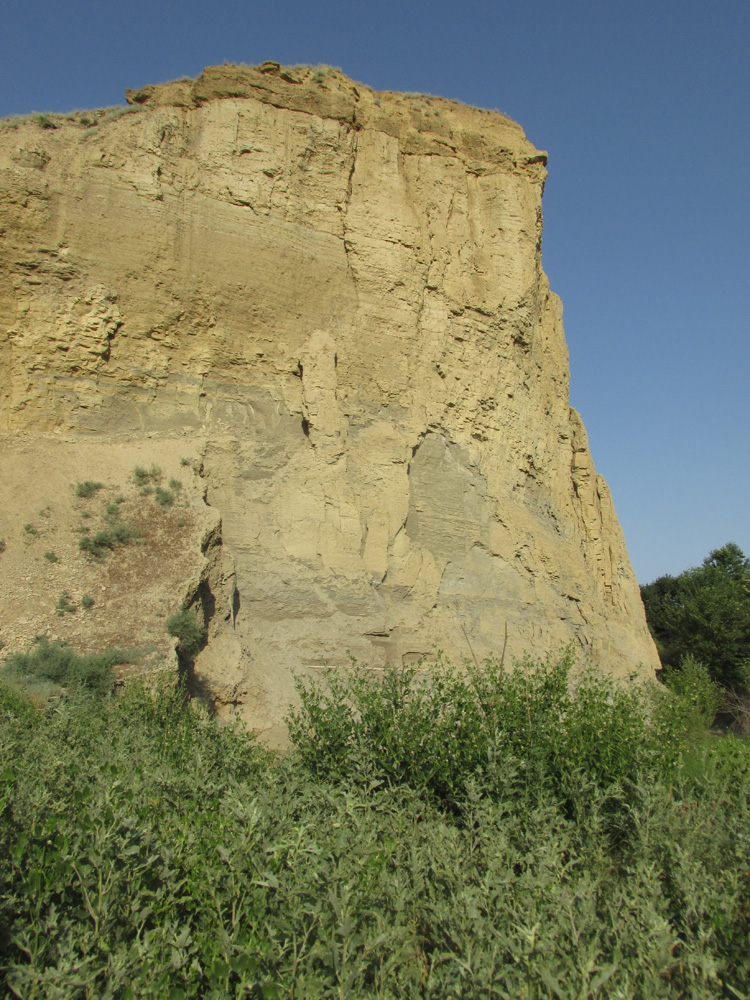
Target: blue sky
(644,107)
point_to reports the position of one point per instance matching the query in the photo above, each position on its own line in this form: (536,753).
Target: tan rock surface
(334,297)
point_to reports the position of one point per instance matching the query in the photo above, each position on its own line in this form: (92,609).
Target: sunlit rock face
(335,297)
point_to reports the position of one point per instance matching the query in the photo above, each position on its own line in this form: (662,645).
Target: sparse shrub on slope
(189,630)
(58,663)
(87,489)
(106,540)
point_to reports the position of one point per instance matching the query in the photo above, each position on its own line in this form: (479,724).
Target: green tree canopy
(705,611)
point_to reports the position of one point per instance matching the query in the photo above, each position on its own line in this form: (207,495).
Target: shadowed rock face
(336,296)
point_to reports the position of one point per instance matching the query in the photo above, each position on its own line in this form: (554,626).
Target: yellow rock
(335,298)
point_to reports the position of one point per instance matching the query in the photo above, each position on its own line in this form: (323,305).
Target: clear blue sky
(644,107)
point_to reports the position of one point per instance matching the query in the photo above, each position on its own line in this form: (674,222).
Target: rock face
(335,296)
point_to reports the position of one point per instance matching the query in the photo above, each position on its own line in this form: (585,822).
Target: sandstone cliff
(332,301)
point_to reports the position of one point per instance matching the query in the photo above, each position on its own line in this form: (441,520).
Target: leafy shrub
(438,733)
(691,682)
(147,852)
(190,632)
(106,540)
(87,601)
(57,662)
(87,489)
(29,529)
(50,556)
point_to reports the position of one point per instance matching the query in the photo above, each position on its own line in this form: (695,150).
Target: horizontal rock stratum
(333,299)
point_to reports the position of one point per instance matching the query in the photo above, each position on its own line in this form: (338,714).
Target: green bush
(106,540)
(523,726)
(701,696)
(163,497)
(59,663)
(189,630)
(50,556)
(87,489)
(142,476)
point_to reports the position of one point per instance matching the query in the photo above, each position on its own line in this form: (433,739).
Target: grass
(89,120)
(149,852)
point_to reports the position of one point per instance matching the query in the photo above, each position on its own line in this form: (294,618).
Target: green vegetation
(30,530)
(521,843)
(65,604)
(189,630)
(104,541)
(58,663)
(163,497)
(704,614)
(3,545)
(149,482)
(50,556)
(143,477)
(87,601)
(87,489)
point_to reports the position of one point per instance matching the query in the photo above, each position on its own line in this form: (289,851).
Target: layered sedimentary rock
(335,297)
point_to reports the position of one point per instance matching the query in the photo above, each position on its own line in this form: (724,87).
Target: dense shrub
(436,734)
(146,852)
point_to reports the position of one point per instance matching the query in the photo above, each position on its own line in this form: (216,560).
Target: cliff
(330,301)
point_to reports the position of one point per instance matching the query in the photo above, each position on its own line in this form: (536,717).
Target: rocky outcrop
(336,297)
